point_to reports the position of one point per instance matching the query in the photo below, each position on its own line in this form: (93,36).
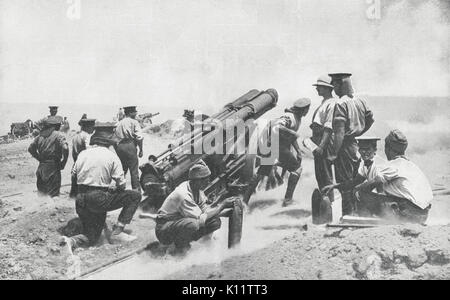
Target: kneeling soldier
(95,169)
(184,216)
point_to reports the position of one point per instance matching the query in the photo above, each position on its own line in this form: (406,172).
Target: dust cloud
(205,52)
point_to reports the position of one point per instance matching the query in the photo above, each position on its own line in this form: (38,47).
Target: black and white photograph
(224,141)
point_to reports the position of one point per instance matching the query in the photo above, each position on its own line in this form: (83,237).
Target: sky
(201,53)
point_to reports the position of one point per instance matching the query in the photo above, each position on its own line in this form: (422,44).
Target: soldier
(352,118)
(285,128)
(94,170)
(81,142)
(53,113)
(322,132)
(129,135)
(52,151)
(65,126)
(154,185)
(184,216)
(120,114)
(367,171)
(403,191)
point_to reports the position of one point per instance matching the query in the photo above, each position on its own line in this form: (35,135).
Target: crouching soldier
(184,216)
(406,193)
(51,150)
(403,192)
(367,172)
(154,185)
(285,129)
(95,169)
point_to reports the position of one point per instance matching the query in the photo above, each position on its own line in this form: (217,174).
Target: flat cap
(87,121)
(53,106)
(104,134)
(199,170)
(367,140)
(301,103)
(324,80)
(129,109)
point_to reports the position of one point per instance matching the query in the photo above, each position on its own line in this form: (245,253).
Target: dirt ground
(29,238)
(397,252)
(276,244)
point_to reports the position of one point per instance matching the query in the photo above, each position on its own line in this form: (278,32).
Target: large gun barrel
(230,171)
(246,108)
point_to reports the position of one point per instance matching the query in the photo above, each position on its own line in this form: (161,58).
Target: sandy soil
(29,224)
(275,243)
(397,252)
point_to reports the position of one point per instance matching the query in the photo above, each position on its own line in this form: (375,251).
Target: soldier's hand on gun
(228,203)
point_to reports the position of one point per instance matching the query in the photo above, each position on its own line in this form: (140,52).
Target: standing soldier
(129,136)
(53,113)
(51,150)
(322,132)
(95,169)
(285,128)
(352,118)
(80,142)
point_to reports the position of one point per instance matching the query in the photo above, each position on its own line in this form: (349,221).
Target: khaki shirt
(181,203)
(80,142)
(323,115)
(402,178)
(98,166)
(49,145)
(354,112)
(130,129)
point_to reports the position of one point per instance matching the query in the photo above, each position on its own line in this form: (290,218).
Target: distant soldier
(285,128)
(81,139)
(53,113)
(120,114)
(81,142)
(65,126)
(84,116)
(95,169)
(129,136)
(52,151)
(352,118)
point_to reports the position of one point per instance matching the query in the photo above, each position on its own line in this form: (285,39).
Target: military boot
(292,184)
(252,185)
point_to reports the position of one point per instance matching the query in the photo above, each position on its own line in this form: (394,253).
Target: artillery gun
(146,119)
(231,170)
(19,130)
